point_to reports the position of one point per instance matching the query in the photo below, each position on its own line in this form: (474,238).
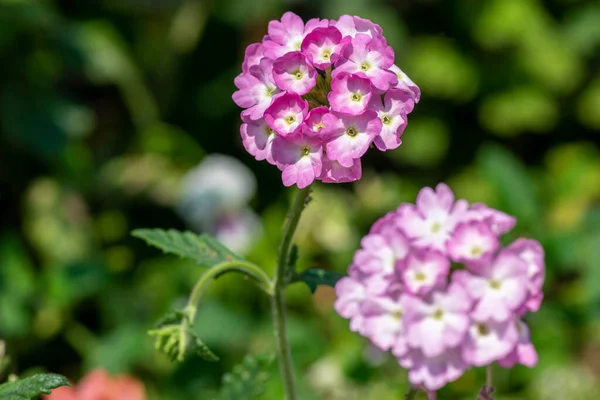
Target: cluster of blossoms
(317,95)
(432,284)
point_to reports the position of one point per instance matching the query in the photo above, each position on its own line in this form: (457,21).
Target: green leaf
(32,387)
(316,276)
(203,249)
(175,338)
(248,379)
(196,346)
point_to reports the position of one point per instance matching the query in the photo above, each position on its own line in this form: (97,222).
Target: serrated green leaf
(175,338)
(32,387)
(314,277)
(247,381)
(203,249)
(173,317)
(198,347)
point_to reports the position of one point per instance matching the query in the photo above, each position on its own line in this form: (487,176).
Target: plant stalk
(244,267)
(488,375)
(487,389)
(278,300)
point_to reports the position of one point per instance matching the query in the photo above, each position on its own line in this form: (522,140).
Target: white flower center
(365,66)
(388,260)
(290,119)
(495,284)
(356,97)
(351,131)
(482,329)
(435,227)
(476,251)
(319,126)
(298,74)
(386,119)
(326,54)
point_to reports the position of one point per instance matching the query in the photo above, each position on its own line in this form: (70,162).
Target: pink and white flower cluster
(432,284)
(317,95)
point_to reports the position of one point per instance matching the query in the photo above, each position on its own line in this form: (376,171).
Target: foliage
(247,380)
(203,249)
(31,387)
(314,277)
(174,333)
(175,337)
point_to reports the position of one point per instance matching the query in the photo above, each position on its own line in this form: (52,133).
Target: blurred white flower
(239,231)
(219,178)
(326,375)
(214,199)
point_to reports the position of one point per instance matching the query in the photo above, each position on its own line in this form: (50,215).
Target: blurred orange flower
(98,385)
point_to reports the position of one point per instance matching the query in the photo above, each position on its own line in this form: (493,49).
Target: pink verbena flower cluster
(317,95)
(432,284)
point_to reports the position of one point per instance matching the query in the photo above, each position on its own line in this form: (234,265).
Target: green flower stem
(411,394)
(277,299)
(488,375)
(244,267)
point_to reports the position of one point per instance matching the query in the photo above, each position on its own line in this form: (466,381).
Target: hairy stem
(243,267)
(277,299)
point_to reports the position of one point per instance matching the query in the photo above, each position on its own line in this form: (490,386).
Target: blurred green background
(105,105)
